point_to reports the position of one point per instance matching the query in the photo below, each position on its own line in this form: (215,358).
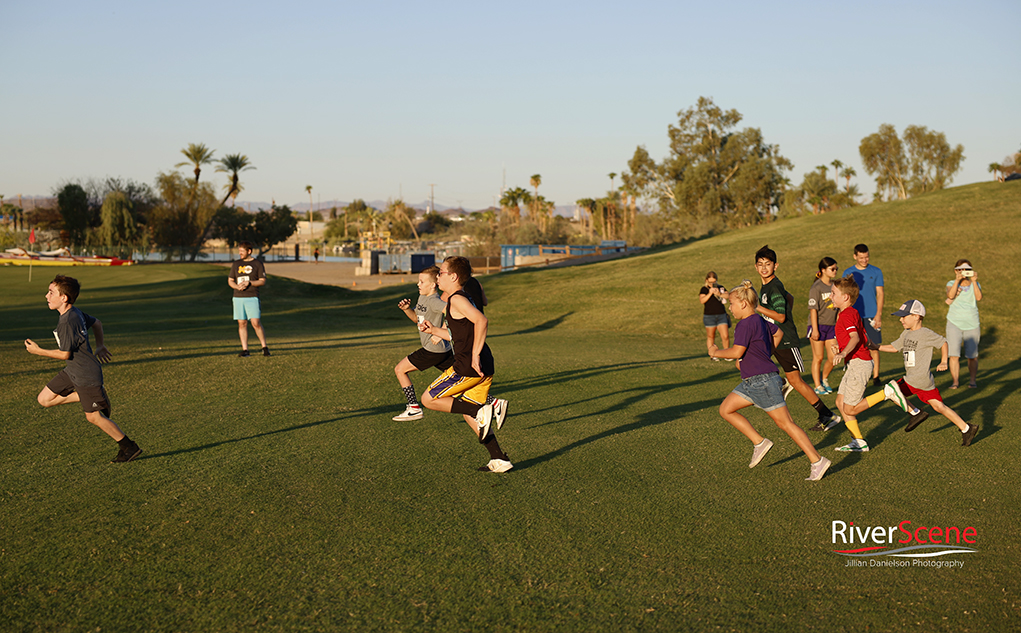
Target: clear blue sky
(376,99)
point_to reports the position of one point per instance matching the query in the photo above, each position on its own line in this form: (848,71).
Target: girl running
(761,384)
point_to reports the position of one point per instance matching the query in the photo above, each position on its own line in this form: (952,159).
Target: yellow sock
(852,426)
(875,398)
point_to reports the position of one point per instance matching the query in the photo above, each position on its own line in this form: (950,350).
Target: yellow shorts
(470,388)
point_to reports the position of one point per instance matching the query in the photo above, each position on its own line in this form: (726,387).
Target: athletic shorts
(875,336)
(969,338)
(469,388)
(764,391)
(789,359)
(92,398)
(712,320)
(857,377)
(423,359)
(826,332)
(246,308)
(922,394)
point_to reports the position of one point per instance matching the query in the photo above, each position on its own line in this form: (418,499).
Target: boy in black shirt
(775,307)
(82,379)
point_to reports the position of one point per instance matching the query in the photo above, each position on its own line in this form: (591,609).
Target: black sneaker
(127,453)
(969,435)
(244,353)
(916,419)
(265,351)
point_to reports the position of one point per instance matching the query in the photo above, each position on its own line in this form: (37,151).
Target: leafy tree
(263,229)
(198,155)
(714,173)
(233,164)
(73,204)
(817,189)
(119,232)
(882,155)
(184,210)
(933,162)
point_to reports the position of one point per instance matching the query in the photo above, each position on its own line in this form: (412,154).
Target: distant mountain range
(326,205)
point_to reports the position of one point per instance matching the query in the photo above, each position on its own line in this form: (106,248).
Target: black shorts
(423,359)
(92,398)
(789,359)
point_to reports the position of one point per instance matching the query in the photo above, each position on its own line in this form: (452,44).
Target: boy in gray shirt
(82,379)
(916,344)
(435,352)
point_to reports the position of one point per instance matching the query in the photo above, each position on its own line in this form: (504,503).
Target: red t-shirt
(850,321)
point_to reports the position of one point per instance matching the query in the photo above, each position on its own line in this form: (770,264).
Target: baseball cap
(964,267)
(911,306)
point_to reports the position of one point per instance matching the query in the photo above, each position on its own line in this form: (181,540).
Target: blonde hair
(848,286)
(746,293)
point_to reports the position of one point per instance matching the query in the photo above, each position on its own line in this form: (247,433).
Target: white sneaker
(497,466)
(411,413)
(483,420)
(499,412)
(832,423)
(818,469)
(856,446)
(892,392)
(787,388)
(760,451)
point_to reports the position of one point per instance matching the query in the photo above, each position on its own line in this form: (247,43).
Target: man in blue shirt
(870,301)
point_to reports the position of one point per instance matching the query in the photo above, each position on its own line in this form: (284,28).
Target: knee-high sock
(852,426)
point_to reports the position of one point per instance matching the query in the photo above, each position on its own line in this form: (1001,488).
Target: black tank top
(462,338)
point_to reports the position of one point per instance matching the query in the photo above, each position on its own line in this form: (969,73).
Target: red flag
(31,236)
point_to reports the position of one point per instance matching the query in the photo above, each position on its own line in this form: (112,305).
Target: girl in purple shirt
(761,384)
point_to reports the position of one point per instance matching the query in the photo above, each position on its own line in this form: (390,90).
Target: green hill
(276,494)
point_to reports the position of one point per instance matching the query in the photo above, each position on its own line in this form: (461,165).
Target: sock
(967,427)
(494,448)
(852,426)
(124,442)
(823,410)
(464,407)
(409,394)
(875,398)
(490,399)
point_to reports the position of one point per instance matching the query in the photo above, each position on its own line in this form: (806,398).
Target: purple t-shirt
(755,334)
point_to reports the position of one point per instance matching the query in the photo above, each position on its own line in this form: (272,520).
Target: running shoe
(856,446)
(760,451)
(411,413)
(818,469)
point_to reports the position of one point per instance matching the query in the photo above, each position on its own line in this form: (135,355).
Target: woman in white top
(963,294)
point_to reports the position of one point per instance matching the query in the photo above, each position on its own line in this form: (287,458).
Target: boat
(59,257)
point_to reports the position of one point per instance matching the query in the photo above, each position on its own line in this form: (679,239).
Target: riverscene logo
(919,544)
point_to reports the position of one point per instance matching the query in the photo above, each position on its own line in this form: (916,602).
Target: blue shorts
(826,332)
(764,391)
(246,308)
(712,320)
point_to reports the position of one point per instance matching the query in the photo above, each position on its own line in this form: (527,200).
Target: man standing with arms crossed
(870,301)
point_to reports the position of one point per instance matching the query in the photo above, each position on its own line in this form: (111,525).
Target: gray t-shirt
(819,299)
(917,346)
(432,309)
(72,335)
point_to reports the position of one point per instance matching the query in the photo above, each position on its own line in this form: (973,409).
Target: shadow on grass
(980,405)
(649,418)
(346,415)
(542,327)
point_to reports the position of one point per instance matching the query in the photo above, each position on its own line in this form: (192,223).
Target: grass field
(276,494)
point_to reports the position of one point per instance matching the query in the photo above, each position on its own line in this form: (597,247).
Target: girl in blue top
(963,295)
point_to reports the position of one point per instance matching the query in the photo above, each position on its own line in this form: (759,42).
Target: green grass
(276,494)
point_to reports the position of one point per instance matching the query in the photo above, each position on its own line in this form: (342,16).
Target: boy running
(775,306)
(464,387)
(435,352)
(916,343)
(82,379)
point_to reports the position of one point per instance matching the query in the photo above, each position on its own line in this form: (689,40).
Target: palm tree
(198,155)
(612,175)
(509,202)
(995,168)
(308,188)
(847,174)
(535,181)
(836,169)
(400,211)
(233,164)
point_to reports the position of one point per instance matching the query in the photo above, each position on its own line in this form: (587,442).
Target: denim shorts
(712,320)
(764,391)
